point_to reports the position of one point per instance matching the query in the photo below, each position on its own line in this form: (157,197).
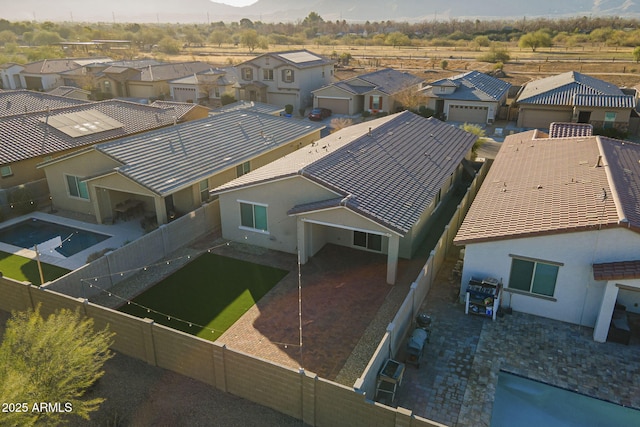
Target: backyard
(26,270)
(207,296)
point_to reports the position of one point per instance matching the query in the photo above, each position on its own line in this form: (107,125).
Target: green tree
(477,131)
(482,41)
(636,54)
(397,39)
(535,40)
(7,36)
(46,38)
(312,19)
(218,37)
(52,360)
(250,39)
(169,45)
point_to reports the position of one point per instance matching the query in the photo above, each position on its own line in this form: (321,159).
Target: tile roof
(617,270)
(562,89)
(26,136)
(259,107)
(162,72)
(54,66)
(540,186)
(66,90)
(605,101)
(166,160)
(179,108)
(296,58)
(472,86)
(387,81)
(389,174)
(568,130)
(22,101)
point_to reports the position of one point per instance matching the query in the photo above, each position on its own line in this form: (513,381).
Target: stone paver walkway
(455,384)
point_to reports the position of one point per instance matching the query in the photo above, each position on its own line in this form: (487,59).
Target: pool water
(66,241)
(527,403)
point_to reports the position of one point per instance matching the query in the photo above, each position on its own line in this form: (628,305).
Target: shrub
(227,98)
(611,133)
(288,108)
(366,113)
(21,200)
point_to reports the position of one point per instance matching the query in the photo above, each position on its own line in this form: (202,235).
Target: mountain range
(203,11)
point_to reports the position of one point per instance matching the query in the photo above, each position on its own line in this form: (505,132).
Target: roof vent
(599,162)
(369,133)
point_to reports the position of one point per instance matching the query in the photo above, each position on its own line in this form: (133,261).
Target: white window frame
(6,171)
(243,169)
(267,74)
(367,245)
(253,205)
(288,75)
(79,182)
(247,73)
(204,190)
(535,263)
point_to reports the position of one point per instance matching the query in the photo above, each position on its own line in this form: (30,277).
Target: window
(204,190)
(267,74)
(247,73)
(243,169)
(367,240)
(609,119)
(375,102)
(107,86)
(253,216)
(287,75)
(533,276)
(77,188)
(5,171)
(215,92)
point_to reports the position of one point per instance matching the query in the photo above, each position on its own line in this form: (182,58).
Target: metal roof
(471,86)
(562,89)
(539,185)
(166,160)
(389,174)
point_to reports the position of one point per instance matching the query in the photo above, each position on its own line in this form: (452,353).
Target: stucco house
(472,97)
(371,186)
(169,171)
(205,87)
(46,74)
(10,75)
(22,101)
(575,97)
(557,221)
(282,78)
(27,139)
(374,92)
(71,92)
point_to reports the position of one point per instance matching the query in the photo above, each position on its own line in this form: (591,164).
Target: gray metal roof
(389,174)
(605,101)
(296,58)
(22,101)
(162,72)
(259,107)
(472,86)
(564,88)
(169,159)
(30,135)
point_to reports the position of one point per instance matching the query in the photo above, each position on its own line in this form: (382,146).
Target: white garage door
(467,114)
(281,99)
(337,106)
(183,94)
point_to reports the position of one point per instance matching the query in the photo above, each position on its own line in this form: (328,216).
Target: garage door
(467,114)
(541,119)
(336,105)
(183,94)
(281,99)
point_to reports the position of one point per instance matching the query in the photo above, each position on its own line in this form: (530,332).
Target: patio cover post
(601,330)
(392,258)
(302,241)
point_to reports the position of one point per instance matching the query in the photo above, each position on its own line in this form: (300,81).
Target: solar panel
(299,57)
(82,123)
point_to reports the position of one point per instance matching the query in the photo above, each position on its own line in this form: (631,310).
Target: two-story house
(282,78)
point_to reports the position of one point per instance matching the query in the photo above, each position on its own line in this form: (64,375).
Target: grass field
(212,291)
(25,269)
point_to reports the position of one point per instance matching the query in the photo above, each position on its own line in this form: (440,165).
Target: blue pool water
(66,241)
(526,403)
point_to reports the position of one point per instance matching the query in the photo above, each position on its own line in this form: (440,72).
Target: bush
(21,201)
(227,98)
(425,112)
(288,109)
(366,113)
(611,133)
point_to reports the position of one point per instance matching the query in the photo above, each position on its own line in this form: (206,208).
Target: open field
(207,296)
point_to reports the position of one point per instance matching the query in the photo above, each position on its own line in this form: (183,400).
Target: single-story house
(71,92)
(574,97)
(28,139)
(371,186)
(205,87)
(169,171)
(22,101)
(472,97)
(47,74)
(374,92)
(282,78)
(10,75)
(557,221)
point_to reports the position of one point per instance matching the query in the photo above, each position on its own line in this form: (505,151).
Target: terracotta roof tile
(617,270)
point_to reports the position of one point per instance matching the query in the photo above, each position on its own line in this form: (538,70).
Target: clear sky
(237,3)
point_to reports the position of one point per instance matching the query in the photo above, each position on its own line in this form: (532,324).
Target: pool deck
(120,233)
(456,382)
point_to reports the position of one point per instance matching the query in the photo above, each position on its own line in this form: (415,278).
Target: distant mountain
(203,11)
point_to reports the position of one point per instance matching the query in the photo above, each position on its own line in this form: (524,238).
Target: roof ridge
(622,218)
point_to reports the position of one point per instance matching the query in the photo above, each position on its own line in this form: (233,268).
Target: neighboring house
(274,110)
(574,97)
(30,138)
(182,111)
(170,171)
(22,101)
(374,92)
(47,74)
(153,81)
(205,87)
(10,76)
(282,78)
(557,221)
(472,97)
(371,186)
(71,92)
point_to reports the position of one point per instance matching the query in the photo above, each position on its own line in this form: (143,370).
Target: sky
(237,3)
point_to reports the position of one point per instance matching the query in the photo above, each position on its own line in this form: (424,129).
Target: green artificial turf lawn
(25,269)
(212,291)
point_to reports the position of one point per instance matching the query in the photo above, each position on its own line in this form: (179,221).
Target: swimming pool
(527,403)
(49,236)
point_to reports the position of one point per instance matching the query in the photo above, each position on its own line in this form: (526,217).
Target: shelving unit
(483,297)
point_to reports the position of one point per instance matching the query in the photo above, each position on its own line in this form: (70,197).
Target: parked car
(319,113)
